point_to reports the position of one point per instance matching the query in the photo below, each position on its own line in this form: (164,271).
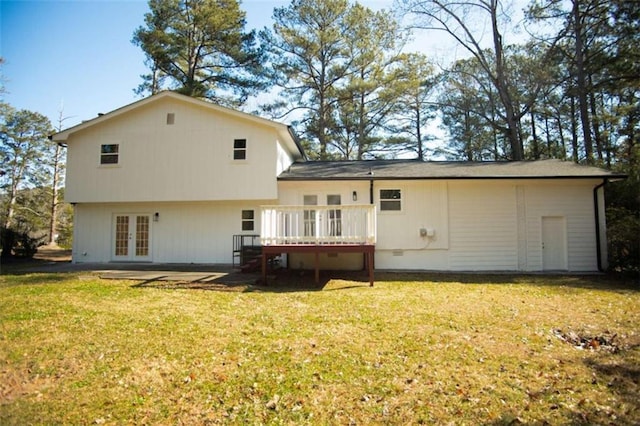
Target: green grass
(414,349)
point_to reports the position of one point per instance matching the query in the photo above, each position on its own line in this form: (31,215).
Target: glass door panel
(310,216)
(335,216)
(131,238)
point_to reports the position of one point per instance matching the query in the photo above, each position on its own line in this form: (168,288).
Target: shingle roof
(415,169)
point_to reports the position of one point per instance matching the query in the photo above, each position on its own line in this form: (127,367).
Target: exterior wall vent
(398,253)
(171,118)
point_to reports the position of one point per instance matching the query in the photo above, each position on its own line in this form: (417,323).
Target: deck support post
(370,266)
(367,249)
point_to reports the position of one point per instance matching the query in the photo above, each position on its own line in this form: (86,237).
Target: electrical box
(427,232)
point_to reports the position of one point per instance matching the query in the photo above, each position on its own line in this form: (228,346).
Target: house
(173,179)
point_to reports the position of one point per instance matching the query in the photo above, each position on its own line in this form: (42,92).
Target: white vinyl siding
(483,226)
(185,232)
(191,160)
(574,202)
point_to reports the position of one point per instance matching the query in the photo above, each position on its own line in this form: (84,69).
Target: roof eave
(610,178)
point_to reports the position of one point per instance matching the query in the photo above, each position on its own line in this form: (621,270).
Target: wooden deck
(366,249)
(315,229)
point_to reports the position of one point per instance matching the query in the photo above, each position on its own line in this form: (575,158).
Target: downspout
(369,259)
(370,186)
(597,216)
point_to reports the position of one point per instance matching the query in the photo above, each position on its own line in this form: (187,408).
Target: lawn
(416,348)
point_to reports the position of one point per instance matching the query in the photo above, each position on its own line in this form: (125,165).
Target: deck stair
(246,248)
(247,254)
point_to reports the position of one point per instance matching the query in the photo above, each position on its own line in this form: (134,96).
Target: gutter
(62,144)
(294,136)
(370,186)
(597,217)
(456,177)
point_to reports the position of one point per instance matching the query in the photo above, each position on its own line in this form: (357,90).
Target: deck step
(253,265)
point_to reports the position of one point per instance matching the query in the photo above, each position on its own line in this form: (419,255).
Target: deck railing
(343,224)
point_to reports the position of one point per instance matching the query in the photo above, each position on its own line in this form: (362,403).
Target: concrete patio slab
(183,276)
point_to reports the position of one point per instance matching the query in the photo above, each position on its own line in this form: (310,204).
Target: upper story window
(248,218)
(239,149)
(390,200)
(109,153)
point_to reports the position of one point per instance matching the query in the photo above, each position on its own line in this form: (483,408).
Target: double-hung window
(390,200)
(109,153)
(239,149)
(248,220)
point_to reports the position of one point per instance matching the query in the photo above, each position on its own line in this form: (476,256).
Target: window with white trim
(248,220)
(239,149)
(109,153)
(390,200)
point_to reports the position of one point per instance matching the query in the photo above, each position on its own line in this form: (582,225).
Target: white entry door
(131,237)
(554,243)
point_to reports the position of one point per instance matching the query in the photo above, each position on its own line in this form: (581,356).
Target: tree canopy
(200,48)
(341,65)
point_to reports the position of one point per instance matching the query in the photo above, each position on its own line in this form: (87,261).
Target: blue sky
(78,54)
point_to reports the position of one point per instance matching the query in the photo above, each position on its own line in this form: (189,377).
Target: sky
(75,59)
(77,56)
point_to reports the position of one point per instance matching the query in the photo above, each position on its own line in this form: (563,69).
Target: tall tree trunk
(362,137)
(323,112)
(419,133)
(536,143)
(547,131)
(596,121)
(503,91)
(10,209)
(16,180)
(468,143)
(54,194)
(563,142)
(11,205)
(574,132)
(581,81)
(494,132)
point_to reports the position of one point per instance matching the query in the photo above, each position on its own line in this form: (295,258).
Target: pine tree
(200,49)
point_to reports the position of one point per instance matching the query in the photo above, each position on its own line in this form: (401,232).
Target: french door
(326,222)
(131,237)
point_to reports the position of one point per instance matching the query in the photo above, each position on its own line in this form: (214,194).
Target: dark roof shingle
(415,169)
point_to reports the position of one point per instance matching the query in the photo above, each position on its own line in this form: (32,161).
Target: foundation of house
(366,249)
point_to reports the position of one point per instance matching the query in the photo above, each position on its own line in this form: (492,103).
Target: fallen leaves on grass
(604,341)
(409,351)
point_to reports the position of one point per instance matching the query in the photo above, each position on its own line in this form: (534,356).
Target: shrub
(18,244)
(623,231)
